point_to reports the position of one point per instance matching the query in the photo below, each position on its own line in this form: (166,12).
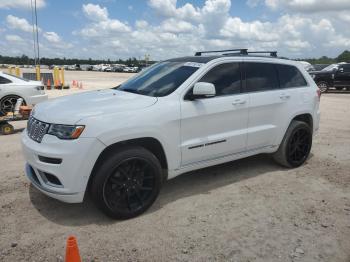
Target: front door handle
(239,102)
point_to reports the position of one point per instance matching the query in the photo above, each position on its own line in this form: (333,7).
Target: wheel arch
(150,143)
(306,118)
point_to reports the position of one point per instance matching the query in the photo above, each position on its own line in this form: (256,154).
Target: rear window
(260,77)
(290,76)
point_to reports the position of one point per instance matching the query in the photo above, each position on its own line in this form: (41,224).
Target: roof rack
(272,53)
(241,51)
(237,51)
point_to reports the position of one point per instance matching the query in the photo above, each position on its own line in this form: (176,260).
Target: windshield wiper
(130,90)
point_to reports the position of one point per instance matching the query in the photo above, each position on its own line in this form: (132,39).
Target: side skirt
(220,160)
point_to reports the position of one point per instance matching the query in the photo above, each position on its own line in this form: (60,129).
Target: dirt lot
(247,210)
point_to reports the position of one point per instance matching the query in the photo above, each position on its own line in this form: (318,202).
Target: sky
(112,29)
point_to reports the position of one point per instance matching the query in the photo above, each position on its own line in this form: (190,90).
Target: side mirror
(203,90)
(341,70)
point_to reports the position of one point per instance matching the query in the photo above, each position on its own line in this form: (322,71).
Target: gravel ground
(247,210)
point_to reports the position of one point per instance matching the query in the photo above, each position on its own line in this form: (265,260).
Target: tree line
(25,60)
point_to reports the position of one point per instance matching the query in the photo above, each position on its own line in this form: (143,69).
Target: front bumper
(71,175)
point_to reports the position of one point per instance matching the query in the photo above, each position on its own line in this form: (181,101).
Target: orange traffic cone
(72,250)
(48,84)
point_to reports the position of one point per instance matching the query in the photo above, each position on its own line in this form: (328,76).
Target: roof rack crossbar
(272,53)
(241,51)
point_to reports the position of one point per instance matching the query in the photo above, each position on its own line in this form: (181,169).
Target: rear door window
(260,77)
(290,76)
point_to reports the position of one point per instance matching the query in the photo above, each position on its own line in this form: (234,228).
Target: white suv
(176,116)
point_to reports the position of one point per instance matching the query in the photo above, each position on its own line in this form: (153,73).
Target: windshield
(330,67)
(17,77)
(160,79)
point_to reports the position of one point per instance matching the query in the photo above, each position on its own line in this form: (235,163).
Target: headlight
(39,88)
(65,132)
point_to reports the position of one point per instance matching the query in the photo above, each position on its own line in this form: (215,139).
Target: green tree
(344,57)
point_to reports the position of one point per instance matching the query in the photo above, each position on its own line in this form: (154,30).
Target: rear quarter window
(290,76)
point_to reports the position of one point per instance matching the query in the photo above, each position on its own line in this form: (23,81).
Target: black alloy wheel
(127,182)
(299,146)
(295,146)
(130,186)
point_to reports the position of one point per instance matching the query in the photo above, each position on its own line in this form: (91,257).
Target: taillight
(319,93)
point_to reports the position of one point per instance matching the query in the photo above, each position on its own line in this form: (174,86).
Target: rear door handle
(239,102)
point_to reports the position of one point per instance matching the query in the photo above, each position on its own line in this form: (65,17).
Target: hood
(32,82)
(320,72)
(70,109)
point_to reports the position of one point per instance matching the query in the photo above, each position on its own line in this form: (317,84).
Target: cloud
(95,12)
(52,37)
(13,38)
(56,41)
(100,24)
(17,23)
(253,3)
(182,29)
(141,24)
(175,26)
(309,6)
(22,4)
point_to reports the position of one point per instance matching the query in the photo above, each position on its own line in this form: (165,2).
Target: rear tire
(323,86)
(296,145)
(127,183)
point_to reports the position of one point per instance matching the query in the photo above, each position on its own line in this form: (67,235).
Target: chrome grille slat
(36,129)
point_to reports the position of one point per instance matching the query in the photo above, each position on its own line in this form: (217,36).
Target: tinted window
(260,77)
(160,79)
(346,68)
(4,80)
(290,76)
(225,77)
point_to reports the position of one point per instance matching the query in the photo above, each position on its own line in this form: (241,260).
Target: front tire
(127,183)
(296,145)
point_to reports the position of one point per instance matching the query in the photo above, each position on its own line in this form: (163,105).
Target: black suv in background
(335,75)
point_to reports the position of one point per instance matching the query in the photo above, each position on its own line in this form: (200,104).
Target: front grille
(36,129)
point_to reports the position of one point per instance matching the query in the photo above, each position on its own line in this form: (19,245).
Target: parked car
(335,75)
(307,66)
(13,87)
(108,69)
(130,69)
(118,68)
(86,67)
(74,67)
(319,67)
(176,116)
